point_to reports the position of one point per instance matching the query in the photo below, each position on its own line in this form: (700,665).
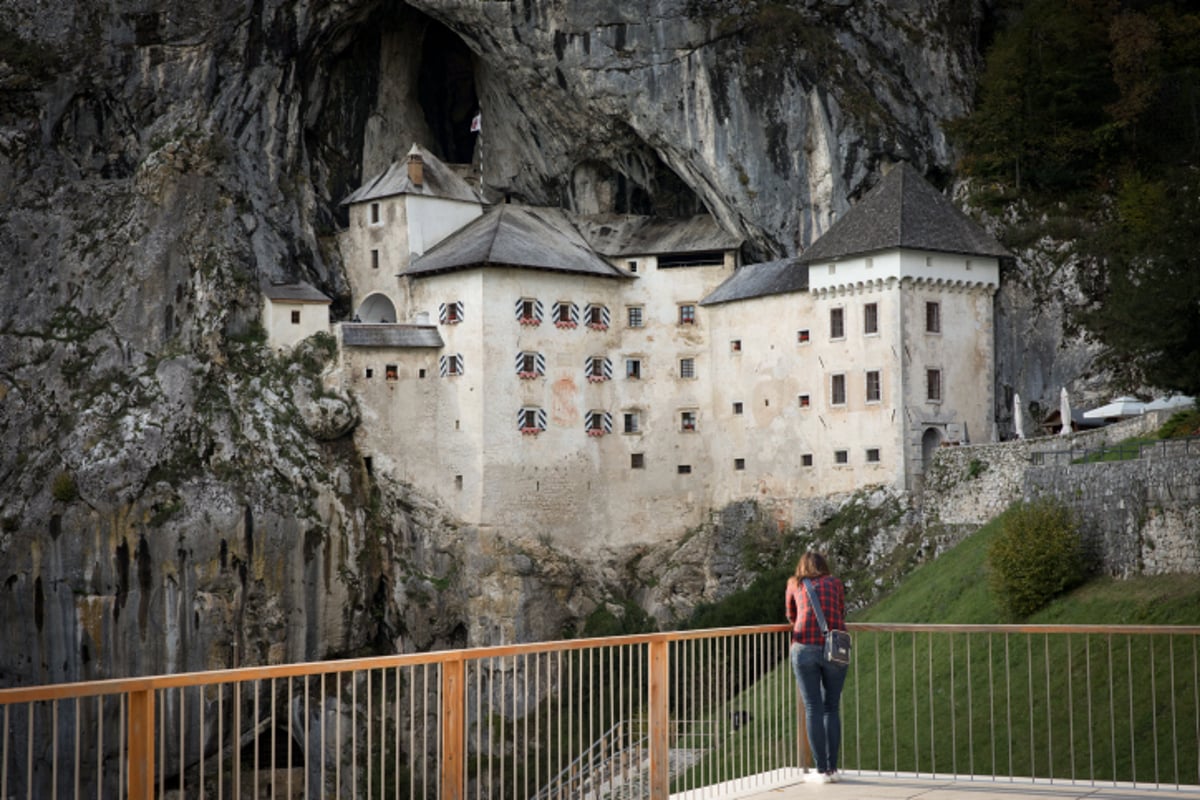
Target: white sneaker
(816,777)
(834,776)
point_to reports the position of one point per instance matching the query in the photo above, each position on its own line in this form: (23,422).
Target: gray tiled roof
(438,181)
(904,210)
(625,235)
(759,280)
(515,236)
(357,334)
(294,292)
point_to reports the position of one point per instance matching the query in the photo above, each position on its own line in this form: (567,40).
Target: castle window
(837,323)
(374,259)
(368,373)
(737,408)
(870,262)
(968,265)
(531,420)
(933,385)
(598,423)
(871,318)
(841,457)
(631,422)
(374,213)
(687,314)
(804,400)
(633,369)
(451,365)
(687,421)
(391,372)
(597,317)
(637,460)
(566,315)
(802,336)
(872,455)
(450,313)
(633,266)
(806,460)
(874,389)
(597,369)
(458,482)
(684,469)
(933,317)
(530,365)
(421,373)
(735,346)
(529,311)
(295,317)
(739,463)
(635,316)
(837,390)
(687,368)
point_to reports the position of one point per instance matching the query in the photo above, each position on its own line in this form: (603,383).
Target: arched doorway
(930,441)
(376,308)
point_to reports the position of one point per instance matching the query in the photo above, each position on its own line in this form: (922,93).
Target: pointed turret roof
(438,180)
(903,211)
(515,236)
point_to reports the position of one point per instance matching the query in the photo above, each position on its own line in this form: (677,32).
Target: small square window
(837,323)
(929,261)
(837,390)
(870,262)
(392,372)
(687,368)
(872,455)
(369,373)
(739,463)
(453,313)
(806,460)
(453,365)
(637,460)
(458,482)
(684,469)
(737,408)
(421,373)
(687,421)
(635,316)
(295,317)
(633,369)
(802,336)
(871,318)
(687,314)
(374,259)
(633,266)
(735,346)
(631,422)
(841,457)
(933,317)
(968,265)
(374,213)
(804,401)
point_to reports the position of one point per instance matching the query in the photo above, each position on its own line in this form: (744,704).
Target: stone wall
(1140,516)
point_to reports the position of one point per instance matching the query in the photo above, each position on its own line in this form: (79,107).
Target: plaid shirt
(832,597)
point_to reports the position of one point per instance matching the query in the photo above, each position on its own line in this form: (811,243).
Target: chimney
(416,167)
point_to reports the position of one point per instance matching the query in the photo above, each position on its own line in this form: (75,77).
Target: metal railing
(692,713)
(1125,451)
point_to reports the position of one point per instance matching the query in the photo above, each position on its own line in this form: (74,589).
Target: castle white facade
(607,381)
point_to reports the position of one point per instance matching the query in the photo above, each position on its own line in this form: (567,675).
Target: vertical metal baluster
(4,755)
(53,751)
(1195,701)
(858,754)
(1154,717)
(220,754)
(932,740)
(236,736)
(1132,740)
(524,723)
(1171,693)
(916,705)
(895,712)
(970,711)
(563,685)
(353,676)
(992,702)
(369,724)
(1029,669)
(257,684)
(1112,712)
(307,743)
(878,709)
(201,714)
(425,730)
(953,713)
(30,708)
(78,750)
(1049,711)
(479,757)
(438,727)
(503,725)
(1071,707)
(1091,727)
(412,733)
(337,734)
(122,746)
(324,744)
(383,681)
(1008,703)
(396,716)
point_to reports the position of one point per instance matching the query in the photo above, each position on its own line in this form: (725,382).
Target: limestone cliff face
(173,496)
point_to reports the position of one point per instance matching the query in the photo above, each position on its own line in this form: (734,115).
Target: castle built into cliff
(607,380)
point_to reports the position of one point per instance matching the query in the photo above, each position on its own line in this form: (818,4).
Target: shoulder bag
(837,643)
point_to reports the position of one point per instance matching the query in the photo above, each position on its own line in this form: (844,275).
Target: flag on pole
(475,124)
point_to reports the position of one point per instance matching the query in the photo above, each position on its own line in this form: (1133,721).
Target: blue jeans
(821,689)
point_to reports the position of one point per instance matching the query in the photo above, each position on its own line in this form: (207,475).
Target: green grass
(1078,706)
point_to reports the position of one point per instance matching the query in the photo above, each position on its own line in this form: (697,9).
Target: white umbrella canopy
(1064,411)
(1172,401)
(1018,417)
(1121,407)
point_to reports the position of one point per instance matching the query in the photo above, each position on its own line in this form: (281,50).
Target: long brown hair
(811,565)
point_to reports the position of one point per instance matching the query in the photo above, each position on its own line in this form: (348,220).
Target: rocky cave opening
(446,93)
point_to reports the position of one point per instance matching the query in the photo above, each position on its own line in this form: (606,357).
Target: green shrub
(63,488)
(1037,556)
(1182,423)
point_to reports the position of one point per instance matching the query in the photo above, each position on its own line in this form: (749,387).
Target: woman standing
(820,681)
